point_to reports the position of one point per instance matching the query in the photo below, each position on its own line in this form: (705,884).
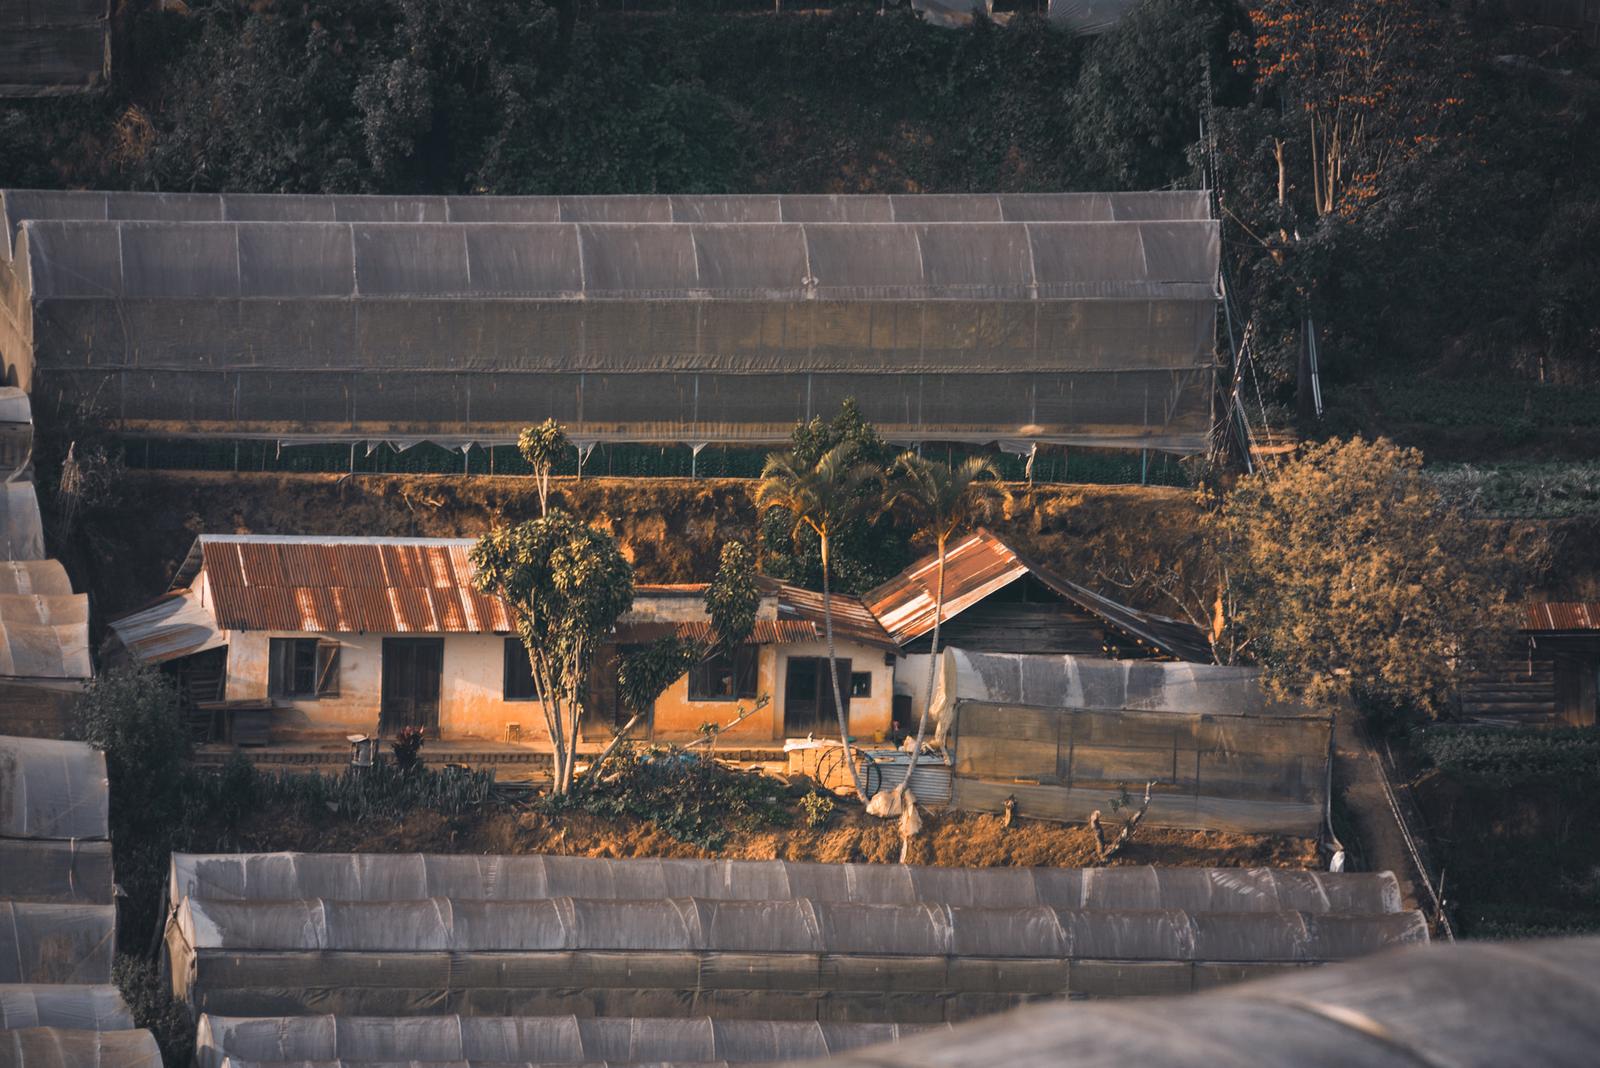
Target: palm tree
(944,499)
(822,497)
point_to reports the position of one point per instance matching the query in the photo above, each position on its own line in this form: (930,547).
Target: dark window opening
(723,677)
(861,684)
(520,684)
(303,667)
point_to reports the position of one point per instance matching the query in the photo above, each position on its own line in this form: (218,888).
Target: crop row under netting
(1049,464)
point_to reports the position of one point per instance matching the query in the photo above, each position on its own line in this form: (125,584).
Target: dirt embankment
(948,840)
(672,529)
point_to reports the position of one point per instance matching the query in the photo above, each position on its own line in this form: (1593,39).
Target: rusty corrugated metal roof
(852,620)
(975,567)
(343,585)
(983,562)
(1545,616)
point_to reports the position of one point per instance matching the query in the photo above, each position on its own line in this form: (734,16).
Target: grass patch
(1512,759)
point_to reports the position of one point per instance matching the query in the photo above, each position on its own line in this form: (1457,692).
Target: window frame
(302,668)
(745,667)
(520,654)
(864,679)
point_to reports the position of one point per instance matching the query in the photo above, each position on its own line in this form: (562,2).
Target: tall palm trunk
(833,674)
(927,703)
(933,665)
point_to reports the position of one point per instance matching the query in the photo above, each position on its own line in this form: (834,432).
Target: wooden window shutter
(327,669)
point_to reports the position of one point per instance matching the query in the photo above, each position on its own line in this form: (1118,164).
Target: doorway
(808,696)
(412,668)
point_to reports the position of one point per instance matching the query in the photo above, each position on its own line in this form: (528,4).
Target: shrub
(693,798)
(151,1002)
(818,809)
(407,747)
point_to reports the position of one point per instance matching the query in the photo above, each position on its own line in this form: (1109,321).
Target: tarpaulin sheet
(56,943)
(1471,1004)
(52,789)
(551,1039)
(1068,681)
(75,1007)
(63,871)
(52,1047)
(416,876)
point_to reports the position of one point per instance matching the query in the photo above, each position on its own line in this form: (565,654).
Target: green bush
(693,798)
(152,1005)
(1505,759)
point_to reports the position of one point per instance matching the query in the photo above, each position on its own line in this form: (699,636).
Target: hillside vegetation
(1421,179)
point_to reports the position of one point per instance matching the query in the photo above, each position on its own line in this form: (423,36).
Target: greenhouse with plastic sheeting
(419,876)
(526,1040)
(764,960)
(1069,318)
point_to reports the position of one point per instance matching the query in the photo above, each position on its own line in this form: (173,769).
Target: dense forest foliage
(1421,178)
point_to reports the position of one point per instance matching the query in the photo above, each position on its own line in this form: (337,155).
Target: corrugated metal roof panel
(333,585)
(176,625)
(852,620)
(1562,615)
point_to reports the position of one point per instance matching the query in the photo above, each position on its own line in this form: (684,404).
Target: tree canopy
(1348,574)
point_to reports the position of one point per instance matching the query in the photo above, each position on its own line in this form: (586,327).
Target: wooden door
(412,668)
(808,697)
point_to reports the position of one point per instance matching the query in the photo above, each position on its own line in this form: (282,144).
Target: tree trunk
(833,674)
(933,667)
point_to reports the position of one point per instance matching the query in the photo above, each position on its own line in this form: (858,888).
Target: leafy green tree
(867,548)
(566,584)
(943,500)
(1352,576)
(823,497)
(543,446)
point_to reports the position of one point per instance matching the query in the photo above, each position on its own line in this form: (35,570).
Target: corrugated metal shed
(1557,616)
(983,563)
(342,585)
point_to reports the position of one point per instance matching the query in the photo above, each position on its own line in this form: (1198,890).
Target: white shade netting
(522,1040)
(77,1007)
(50,943)
(416,876)
(52,789)
(21,205)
